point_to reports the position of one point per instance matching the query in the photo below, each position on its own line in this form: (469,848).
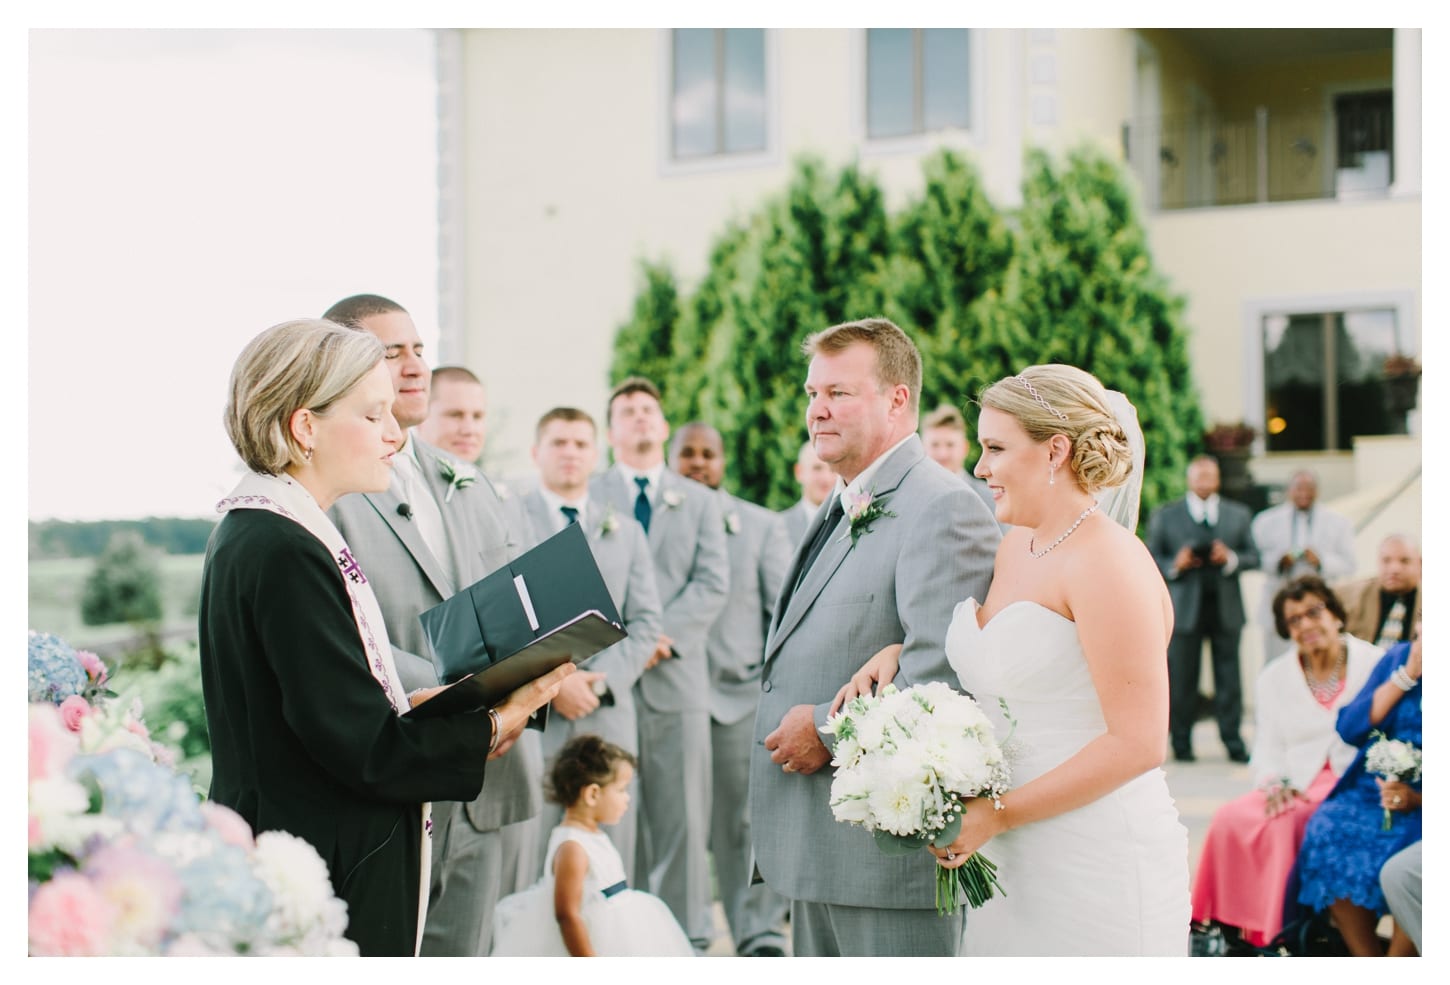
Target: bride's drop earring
(1052,475)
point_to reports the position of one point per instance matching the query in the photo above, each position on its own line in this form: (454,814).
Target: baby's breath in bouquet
(906,761)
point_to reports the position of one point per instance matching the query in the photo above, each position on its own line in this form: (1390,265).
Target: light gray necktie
(425,512)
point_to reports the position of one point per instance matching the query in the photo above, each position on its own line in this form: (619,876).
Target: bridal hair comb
(1027,385)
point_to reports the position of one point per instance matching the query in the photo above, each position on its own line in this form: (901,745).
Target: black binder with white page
(546,606)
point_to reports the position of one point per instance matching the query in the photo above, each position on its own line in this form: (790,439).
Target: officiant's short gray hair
(309,363)
(1060,399)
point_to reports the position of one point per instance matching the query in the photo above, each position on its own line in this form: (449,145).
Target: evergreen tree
(125,584)
(642,345)
(948,275)
(1085,289)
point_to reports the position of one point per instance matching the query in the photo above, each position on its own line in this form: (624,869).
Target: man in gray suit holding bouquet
(892,573)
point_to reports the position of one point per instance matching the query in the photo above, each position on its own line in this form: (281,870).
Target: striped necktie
(1393,627)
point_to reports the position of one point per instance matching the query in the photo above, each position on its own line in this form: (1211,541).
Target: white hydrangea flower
(305,911)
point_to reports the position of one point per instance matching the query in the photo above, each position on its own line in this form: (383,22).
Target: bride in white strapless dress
(1111,876)
(1073,636)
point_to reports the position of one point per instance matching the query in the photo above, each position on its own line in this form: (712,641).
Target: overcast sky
(188,189)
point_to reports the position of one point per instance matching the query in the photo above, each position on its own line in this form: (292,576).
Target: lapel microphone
(405,511)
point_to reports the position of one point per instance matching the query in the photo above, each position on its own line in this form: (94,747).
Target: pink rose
(73,711)
(51,744)
(137,727)
(231,826)
(95,669)
(69,917)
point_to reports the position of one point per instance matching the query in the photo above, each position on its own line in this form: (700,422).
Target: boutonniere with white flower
(457,475)
(673,498)
(610,523)
(862,510)
(732,522)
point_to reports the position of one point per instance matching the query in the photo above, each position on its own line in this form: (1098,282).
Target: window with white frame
(1332,375)
(918,80)
(717,92)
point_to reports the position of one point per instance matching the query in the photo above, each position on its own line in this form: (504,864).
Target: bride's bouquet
(906,761)
(1394,760)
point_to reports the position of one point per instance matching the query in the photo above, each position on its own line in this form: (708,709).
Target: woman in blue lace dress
(1346,841)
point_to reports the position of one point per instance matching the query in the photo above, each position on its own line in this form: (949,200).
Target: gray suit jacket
(797,520)
(623,558)
(1171,527)
(407,579)
(759,555)
(898,584)
(692,573)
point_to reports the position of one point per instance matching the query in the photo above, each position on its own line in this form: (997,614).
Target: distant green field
(55,588)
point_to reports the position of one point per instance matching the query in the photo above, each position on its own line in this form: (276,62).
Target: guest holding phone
(1202,543)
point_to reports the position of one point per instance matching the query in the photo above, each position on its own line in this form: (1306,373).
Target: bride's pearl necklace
(1076,523)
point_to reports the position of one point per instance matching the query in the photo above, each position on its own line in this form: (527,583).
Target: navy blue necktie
(641,503)
(571,514)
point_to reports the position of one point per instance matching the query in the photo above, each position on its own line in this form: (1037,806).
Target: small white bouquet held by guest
(1393,759)
(905,763)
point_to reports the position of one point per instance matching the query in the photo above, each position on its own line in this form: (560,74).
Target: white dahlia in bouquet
(906,762)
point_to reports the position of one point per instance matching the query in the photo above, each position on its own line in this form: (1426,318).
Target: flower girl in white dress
(581,906)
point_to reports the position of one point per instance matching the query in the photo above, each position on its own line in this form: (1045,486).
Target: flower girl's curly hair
(585,759)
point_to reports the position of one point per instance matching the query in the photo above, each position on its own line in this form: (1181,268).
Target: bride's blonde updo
(1058,399)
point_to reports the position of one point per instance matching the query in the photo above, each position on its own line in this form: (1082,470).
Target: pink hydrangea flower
(144,891)
(51,743)
(69,917)
(95,669)
(73,711)
(137,727)
(233,829)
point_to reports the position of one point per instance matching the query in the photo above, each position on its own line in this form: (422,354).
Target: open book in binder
(546,606)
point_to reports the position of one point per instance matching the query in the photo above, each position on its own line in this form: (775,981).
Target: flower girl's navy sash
(618,887)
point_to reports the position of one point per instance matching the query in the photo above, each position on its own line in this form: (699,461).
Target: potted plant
(1234,438)
(1402,383)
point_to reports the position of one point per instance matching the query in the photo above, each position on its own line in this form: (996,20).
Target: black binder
(546,606)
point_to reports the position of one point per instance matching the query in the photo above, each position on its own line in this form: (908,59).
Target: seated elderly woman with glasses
(1298,757)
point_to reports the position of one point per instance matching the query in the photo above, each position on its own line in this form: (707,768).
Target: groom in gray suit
(602,700)
(759,554)
(421,541)
(672,700)
(891,574)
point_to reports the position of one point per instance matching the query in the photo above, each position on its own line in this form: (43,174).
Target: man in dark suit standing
(759,554)
(439,527)
(1201,543)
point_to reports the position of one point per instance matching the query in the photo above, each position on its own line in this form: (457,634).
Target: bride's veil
(1121,502)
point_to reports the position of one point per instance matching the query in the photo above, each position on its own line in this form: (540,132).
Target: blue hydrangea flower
(56,672)
(147,796)
(224,902)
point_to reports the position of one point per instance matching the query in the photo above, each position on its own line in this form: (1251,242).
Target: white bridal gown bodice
(1108,878)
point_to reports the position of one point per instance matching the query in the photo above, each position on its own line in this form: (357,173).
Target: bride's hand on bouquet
(980,824)
(879,670)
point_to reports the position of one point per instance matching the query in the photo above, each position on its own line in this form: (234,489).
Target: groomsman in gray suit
(672,700)
(944,433)
(759,555)
(565,453)
(892,573)
(816,481)
(421,541)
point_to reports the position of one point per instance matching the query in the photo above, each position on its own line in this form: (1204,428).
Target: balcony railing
(1197,161)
